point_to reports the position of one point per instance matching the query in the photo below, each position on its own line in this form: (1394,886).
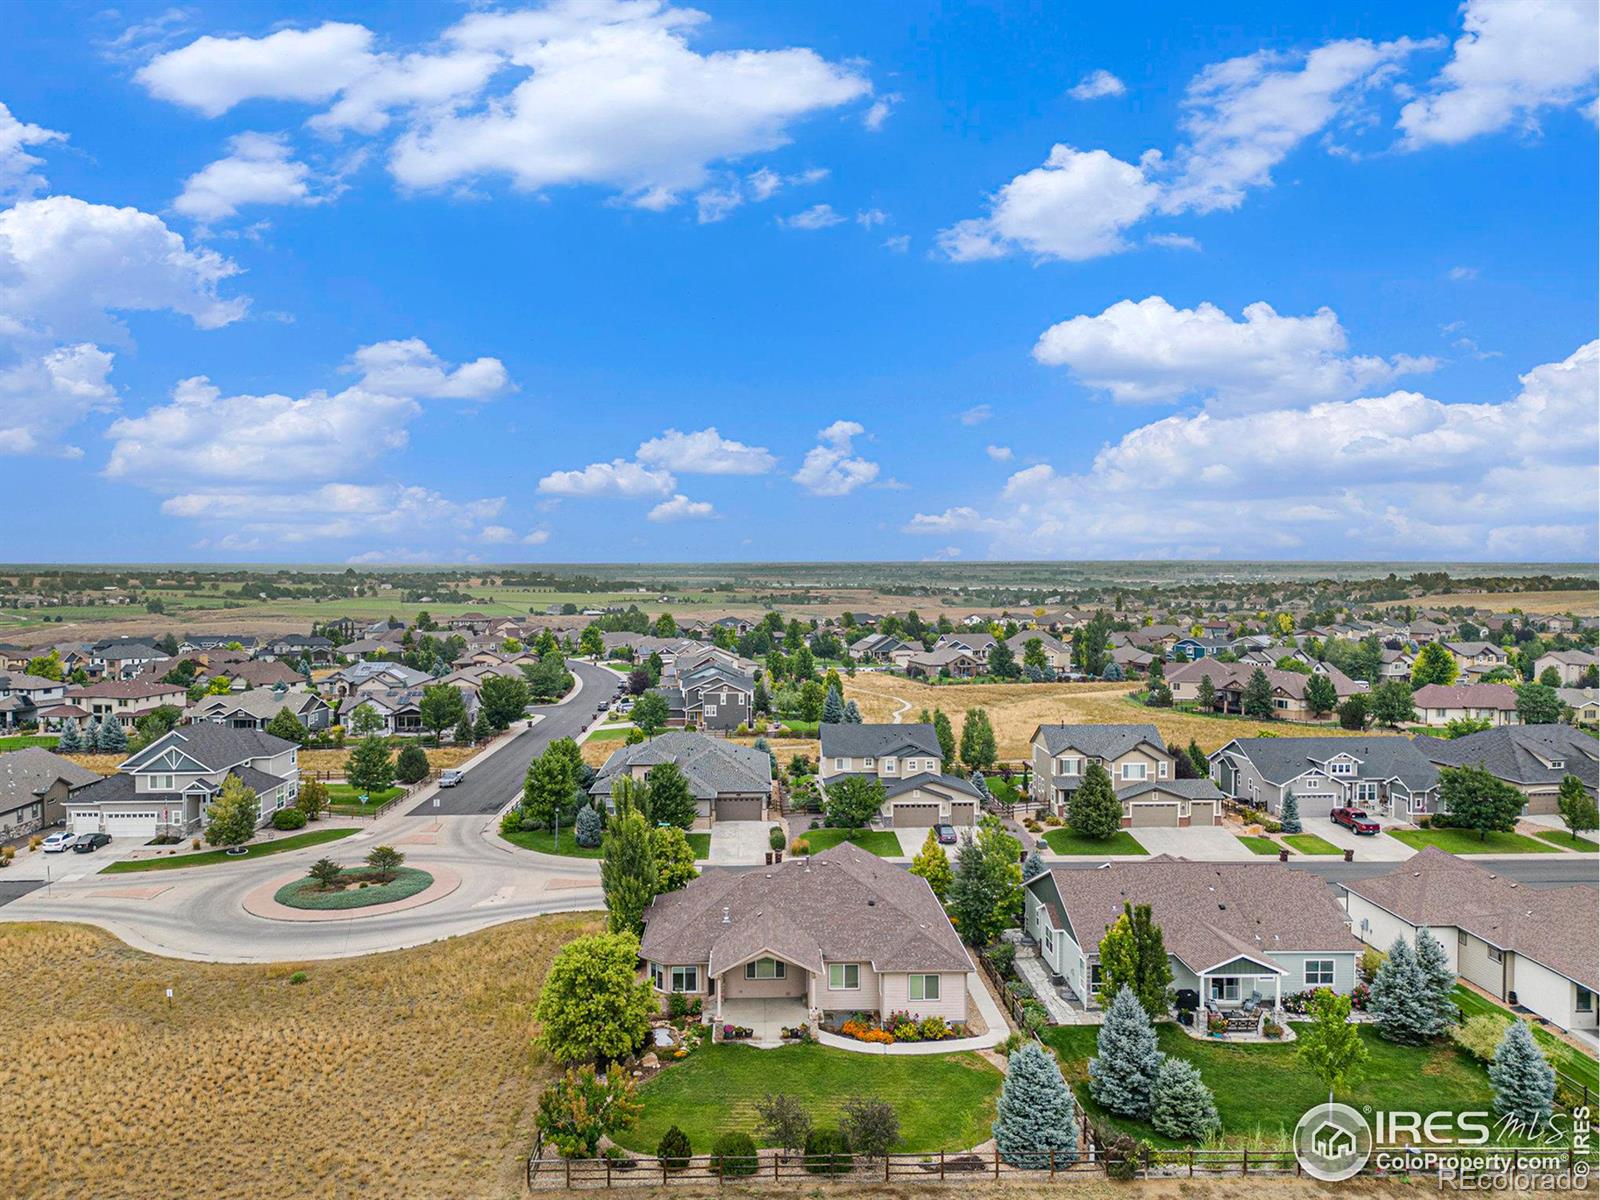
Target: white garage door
(86,822)
(132,824)
(1315,804)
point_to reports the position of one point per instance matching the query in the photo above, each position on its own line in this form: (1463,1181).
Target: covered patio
(1242,991)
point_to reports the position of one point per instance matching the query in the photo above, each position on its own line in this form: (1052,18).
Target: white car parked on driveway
(57,842)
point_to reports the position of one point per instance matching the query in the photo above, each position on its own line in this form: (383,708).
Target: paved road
(494,780)
(1535,870)
(16,889)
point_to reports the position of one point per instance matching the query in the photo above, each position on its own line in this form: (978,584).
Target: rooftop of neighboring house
(1019,641)
(19,681)
(124,689)
(713,766)
(878,741)
(1473,649)
(213,746)
(1571,658)
(843,905)
(1501,696)
(1551,925)
(262,703)
(1521,754)
(1283,759)
(259,673)
(27,774)
(1209,913)
(1097,741)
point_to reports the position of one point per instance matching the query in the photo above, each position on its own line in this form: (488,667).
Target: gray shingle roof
(843,905)
(1281,759)
(878,741)
(24,774)
(1189,789)
(1518,753)
(712,766)
(213,746)
(1097,741)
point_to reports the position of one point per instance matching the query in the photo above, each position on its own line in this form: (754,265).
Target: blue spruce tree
(1399,997)
(1524,1084)
(587,829)
(111,739)
(1181,1105)
(852,713)
(1034,1122)
(1122,1075)
(1033,864)
(1290,816)
(71,740)
(1438,981)
(833,708)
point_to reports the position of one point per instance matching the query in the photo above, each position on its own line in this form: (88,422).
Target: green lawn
(1567,1059)
(1565,840)
(345,799)
(23,741)
(611,733)
(1262,1089)
(1464,841)
(944,1102)
(1258,845)
(1309,843)
(1004,791)
(298,841)
(806,727)
(1064,841)
(881,842)
(307,893)
(701,842)
(542,841)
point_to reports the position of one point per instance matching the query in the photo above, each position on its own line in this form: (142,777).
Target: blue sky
(436,283)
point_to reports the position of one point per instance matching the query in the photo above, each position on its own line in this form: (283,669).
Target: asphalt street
(490,783)
(1535,870)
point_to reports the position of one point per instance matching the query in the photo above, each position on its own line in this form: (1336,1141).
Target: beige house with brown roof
(794,943)
(1439,704)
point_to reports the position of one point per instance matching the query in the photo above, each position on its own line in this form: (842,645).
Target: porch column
(719,1005)
(1277,994)
(1205,996)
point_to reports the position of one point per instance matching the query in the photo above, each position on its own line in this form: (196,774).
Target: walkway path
(905,707)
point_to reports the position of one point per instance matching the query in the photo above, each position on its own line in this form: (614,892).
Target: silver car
(451,777)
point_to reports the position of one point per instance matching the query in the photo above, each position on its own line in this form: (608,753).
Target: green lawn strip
(1310,843)
(1563,1056)
(298,841)
(543,841)
(24,741)
(805,727)
(876,841)
(610,733)
(345,801)
(701,844)
(1004,791)
(1263,1089)
(303,893)
(1064,841)
(1465,841)
(944,1102)
(1258,845)
(1566,841)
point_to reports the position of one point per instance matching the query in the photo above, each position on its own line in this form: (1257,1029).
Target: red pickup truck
(1354,819)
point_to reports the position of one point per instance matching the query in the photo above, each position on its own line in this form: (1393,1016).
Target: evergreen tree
(852,713)
(1133,955)
(1399,997)
(1206,693)
(833,708)
(1438,981)
(1122,1074)
(588,828)
(628,872)
(1033,864)
(947,740)
(1003,661)
(1197,756)
(111,739)
(463,734)
(932,864)
(71,740)
(978,749)
(1157,671)
(1258,696)
(483,728)
(1524,1084)
(412,764)
(669,800)
(369,768)
(1094,810)
(91,734)
(1035,1121)
(1321,696)
(1290,815)
(1181,1105)
(978,893)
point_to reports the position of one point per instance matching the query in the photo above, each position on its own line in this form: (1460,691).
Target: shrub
(677,1005)
(870,1126)
(298,977)
(412,764)
(1123,1155)
(1480,1036)
(288,818)
(735,1155)
(827,1152)
(775,837)
(674,1150)
(35,842)
(800,846)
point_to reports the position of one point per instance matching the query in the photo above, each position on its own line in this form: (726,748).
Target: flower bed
(900,1027)
(361,890)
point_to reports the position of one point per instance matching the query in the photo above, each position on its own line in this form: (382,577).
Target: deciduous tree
(1577,807)
(1474,799)
(853,801)
(232,816)
(1330,1046)
(1133,955)
(932,864)
(628,873)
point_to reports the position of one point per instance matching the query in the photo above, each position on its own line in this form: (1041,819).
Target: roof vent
(726,913)
(807,861)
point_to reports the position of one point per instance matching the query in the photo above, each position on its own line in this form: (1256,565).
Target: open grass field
(210,858)
(322,763)
(1464,841)
(945,1102)
(248,1086)
(1017,709)
(1262,1089)
(1581,603)
(23,741)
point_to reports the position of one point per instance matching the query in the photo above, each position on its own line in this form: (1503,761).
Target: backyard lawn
(1464,841)
(545,843)
(1567,1059)
(1565,840)
(208,858)
(1262,1089)
(1064,841)
(23,741)
(1258,845)
(1309,843)
(881,842)
(944,1102)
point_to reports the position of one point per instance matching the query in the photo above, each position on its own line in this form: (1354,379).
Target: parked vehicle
(58,842)
(946,834)
(1354,819)
(451,777)
(88,843)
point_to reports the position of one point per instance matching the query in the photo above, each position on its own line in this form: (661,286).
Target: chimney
(725,915)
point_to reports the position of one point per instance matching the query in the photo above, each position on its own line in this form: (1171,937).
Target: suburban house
(122,658)
(805,941)
(1395,664)
(125,699)
(254,673)
(1439,704)
(1191,648)
(373,677)
(1584,703)
(256,708)
(906,760)
(34,785)
(1133,754)
(1233,932)
(976,644)
(875,647)
(1387,776)
(167,787)
(730,782)
(1477,658)
(1057,654)
(318,651)
(1131,660)
(1534,759)
(216,641)
(1569,664)
(23,697)
(1229,681)
(954,661)
(1528,947)
(709,693)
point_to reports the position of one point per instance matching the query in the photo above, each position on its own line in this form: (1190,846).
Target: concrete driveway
(739,843)
(1203,843)
(1375,847)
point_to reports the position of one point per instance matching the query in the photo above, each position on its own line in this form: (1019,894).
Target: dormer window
(1557,764)
(868,762)
(1342,768)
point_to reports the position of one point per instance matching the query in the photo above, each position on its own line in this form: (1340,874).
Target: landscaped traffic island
(355,888)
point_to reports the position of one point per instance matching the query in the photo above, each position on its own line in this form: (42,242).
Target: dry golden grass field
(409,1074)
(1016,709)
(1582,603)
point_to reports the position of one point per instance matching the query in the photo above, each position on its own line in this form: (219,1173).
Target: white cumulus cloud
(18,176)
(42,398)
(213,74)
(681,508)
(831,468)
(618,478)
(705,452)
(259,169)
(1096,85)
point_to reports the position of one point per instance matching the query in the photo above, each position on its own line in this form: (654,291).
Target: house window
(1094,977)
(924,987)
(1557,764)
(1161,770)
(1135,770)
(1585,1000)
(844,977)
(711,710)
(889,765)
(1496,954)
(656,977)
(1461,937)
(838,763)
(686,979)
(764,968)
(1319,972)
(1225,989)
(1366,793)
(1341,768)
(868,762)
